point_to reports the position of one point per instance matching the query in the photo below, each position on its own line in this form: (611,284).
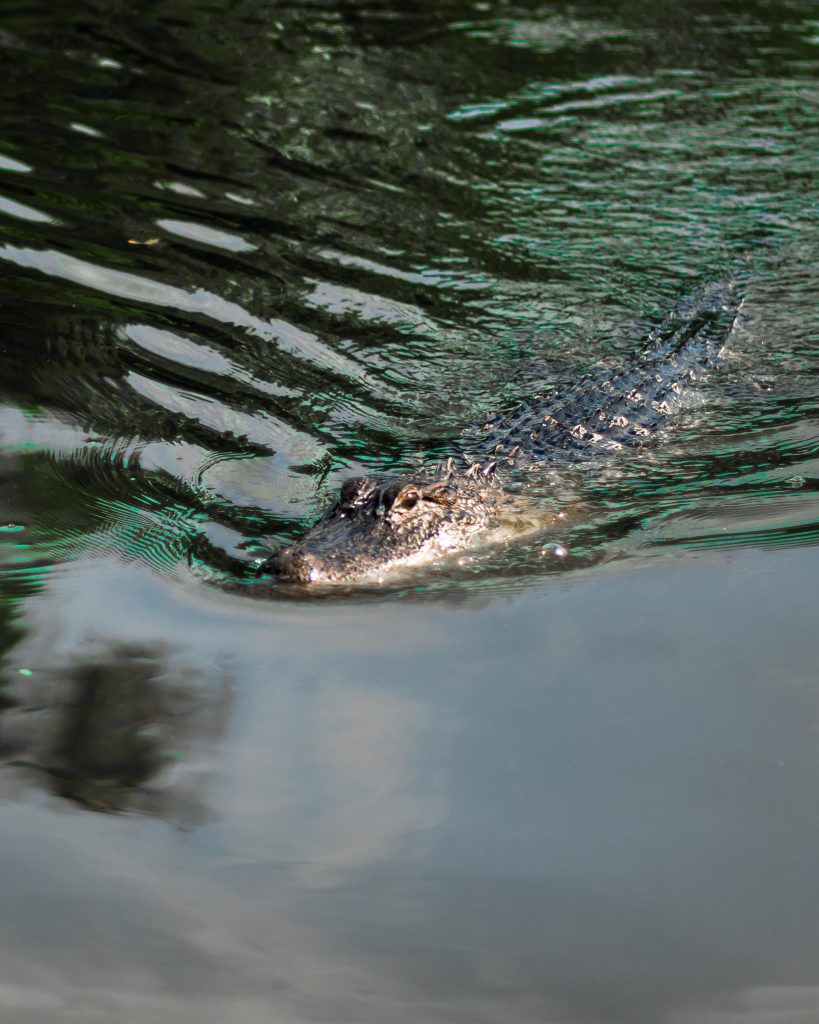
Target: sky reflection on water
(395,825)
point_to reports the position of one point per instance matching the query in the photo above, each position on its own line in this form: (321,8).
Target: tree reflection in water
(124,729)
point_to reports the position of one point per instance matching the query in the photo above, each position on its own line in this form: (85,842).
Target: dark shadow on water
(123,729)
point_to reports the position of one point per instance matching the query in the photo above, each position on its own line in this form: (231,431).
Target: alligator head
(382,523)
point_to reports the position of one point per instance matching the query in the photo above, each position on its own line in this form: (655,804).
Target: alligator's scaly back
(380,523)
(624,406)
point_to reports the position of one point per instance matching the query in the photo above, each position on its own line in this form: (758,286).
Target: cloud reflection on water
(398,827)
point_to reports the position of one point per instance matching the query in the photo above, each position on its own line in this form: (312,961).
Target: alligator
(381,523)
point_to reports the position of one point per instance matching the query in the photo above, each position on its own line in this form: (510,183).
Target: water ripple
(244,264)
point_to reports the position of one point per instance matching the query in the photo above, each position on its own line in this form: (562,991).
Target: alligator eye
(407,499)
(349,491)
(356,493)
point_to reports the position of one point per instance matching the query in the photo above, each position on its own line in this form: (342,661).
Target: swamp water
(247,250)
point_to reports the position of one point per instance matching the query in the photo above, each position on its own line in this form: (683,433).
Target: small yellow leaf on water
(148,241)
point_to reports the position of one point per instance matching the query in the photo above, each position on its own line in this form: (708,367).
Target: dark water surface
(248,249)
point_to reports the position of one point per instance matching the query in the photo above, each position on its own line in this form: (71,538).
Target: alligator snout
(297,566)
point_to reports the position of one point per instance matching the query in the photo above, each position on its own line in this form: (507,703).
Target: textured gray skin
(381,523)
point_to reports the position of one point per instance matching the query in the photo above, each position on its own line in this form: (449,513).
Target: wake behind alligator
(382,523)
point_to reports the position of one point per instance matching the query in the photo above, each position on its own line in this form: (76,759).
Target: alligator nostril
(296,566)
